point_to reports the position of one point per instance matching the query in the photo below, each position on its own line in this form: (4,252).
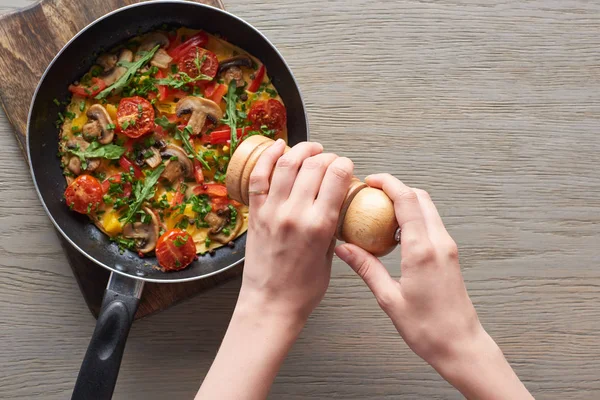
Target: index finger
(406,207)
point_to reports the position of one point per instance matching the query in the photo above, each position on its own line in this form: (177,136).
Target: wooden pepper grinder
(367,218)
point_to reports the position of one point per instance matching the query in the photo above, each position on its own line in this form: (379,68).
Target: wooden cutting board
(29,39)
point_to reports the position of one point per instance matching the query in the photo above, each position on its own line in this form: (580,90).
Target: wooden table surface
(491,106)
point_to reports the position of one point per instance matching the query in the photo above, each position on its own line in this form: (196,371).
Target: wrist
(261,311)
(479,370)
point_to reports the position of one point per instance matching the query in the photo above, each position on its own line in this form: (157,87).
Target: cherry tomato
(126,164)
(198,40)
(187,62)
(84,194)
(135,116)
(258,79)
(96,87)
(117,179)
(175,250)
(268,112)
(211,189)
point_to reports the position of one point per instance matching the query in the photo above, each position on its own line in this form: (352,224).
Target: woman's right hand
(429,305)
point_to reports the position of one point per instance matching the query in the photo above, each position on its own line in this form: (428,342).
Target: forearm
(480,371)
(255,345)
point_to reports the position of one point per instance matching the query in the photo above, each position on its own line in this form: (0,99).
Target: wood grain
(43,29)
(491,106)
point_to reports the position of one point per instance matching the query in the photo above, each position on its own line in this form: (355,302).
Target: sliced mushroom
(100,118)
(145,236)
(92,130)
(161,59)
(231,69)
(150,41)
(237,61)
(74,164)
(234,74)
(107,61)
(200,109)
(110,76)
(178,166)
(219,221)
(156,159)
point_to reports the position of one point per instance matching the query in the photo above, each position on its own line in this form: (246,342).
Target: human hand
(429,305)
(291,228)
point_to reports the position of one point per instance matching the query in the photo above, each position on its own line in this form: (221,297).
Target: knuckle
(340,172)
(452,250)
(422,193)
(422,254)
(407,196)
(312,163)
(385,299)
(288,163)
(256,178)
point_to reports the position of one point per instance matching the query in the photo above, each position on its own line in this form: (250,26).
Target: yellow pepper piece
(167,107)
(111,223)
(188,212)
(112,111)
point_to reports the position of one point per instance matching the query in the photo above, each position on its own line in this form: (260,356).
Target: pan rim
(34,97)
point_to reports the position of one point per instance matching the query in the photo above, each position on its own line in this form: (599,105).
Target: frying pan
(100,367)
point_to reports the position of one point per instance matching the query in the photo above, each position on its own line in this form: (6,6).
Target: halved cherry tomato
(211,189)
(117,179)
(187,62)
(222,135)
(258,78)
(268,112)
(162,89)
(198,174)
(96,87)
(135,116)
(84,194)
(175,250)
(198,40)
(126,164)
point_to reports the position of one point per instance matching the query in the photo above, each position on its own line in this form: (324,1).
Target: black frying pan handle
(100,367)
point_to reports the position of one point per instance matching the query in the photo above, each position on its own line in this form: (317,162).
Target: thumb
(372,272)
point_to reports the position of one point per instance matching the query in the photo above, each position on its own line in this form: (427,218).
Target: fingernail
(279,141)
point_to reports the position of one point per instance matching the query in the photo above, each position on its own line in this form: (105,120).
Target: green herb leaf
(185,140)
(131,70)
(164,123)
(96,150)
(141,192)
(231,115)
